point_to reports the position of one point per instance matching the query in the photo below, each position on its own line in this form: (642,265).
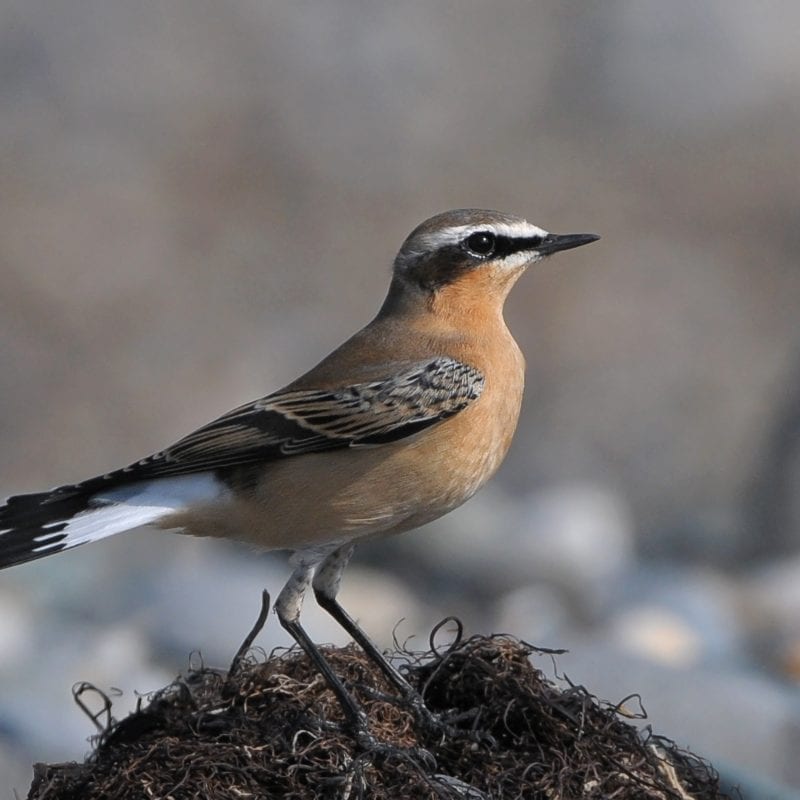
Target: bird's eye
(482,243)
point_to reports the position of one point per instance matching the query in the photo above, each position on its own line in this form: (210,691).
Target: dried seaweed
(272,729)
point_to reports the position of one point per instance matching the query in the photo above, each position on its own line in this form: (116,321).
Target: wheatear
(402,423)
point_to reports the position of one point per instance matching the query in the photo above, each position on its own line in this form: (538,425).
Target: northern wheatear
(402,423)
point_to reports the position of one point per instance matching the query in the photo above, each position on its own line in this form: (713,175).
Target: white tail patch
(129,507)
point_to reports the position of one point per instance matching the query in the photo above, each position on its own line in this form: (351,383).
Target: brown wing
(288,423)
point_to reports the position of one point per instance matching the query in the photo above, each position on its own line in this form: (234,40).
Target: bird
(399,425)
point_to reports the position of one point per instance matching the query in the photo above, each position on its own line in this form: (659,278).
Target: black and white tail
(36,525)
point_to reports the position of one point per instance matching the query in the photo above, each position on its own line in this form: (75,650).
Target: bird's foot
(371,747)
(429,721)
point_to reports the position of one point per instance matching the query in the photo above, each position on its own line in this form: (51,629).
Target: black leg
(352,711)
(326,586)
(335,609)
(287,609)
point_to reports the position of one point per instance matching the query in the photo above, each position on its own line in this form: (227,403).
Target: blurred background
(197,200)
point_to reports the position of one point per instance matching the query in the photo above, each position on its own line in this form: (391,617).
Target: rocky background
(198,199)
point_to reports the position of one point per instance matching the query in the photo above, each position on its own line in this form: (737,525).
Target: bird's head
(477,250)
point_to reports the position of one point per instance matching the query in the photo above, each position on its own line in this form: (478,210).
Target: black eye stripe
(503,245)
(506,245)
(444,264)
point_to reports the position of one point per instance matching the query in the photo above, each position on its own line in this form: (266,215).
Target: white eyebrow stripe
(457,233)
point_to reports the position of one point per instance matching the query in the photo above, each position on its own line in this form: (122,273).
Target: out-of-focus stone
(37,705)
(677,616)
(536,613)
(580,536)
(772,594)
(576,537)
(16,630)
(15,770)
(382,605)
(207,603)
(770,607)
(659,634)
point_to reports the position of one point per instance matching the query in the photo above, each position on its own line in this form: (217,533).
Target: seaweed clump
(271,728)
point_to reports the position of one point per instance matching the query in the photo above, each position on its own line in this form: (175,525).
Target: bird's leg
(287,608)
(327,580)
(326,584)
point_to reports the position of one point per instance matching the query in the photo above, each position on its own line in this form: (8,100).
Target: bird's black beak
(554,242)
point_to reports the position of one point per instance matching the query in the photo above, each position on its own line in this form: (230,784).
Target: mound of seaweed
(271,728)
